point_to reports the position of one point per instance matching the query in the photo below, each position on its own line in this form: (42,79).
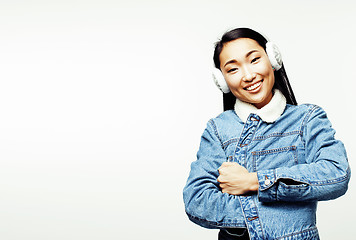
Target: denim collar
(269,113)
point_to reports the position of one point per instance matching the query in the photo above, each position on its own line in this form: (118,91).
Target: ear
(220,81)
(274,56)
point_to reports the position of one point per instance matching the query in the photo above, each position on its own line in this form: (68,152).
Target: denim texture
(298,162)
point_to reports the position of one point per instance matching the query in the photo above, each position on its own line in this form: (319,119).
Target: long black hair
(281,80)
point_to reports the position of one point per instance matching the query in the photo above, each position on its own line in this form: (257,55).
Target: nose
(248,75)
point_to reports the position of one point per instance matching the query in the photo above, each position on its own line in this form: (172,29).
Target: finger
(226,190)
(220,179)
(226,164)
(225,187)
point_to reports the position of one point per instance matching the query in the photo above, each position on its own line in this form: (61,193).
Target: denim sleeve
(325,174)
(205,204)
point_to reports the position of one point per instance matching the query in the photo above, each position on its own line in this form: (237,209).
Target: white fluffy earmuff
(220,81)
(275,59)
(274,55)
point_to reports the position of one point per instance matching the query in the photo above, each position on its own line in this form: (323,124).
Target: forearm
(207,206)
(204,202)
(323,174)
(307,182)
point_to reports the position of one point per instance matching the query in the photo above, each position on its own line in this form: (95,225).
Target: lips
(254,86)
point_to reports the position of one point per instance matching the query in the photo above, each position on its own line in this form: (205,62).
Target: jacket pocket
(274,158)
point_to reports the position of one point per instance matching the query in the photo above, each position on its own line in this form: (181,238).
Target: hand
(236,180)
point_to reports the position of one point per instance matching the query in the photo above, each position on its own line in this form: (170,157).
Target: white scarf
(269,113)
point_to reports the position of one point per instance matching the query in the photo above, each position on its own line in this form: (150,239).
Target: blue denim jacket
(297,160)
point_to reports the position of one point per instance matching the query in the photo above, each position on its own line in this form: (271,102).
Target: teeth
(254,86)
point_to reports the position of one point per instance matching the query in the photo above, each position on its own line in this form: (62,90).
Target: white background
(102,105)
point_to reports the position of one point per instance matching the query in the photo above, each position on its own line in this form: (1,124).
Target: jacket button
(267,181)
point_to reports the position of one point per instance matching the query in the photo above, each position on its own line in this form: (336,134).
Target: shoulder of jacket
(225,124)
(305,107)
(227,117)
(303,110)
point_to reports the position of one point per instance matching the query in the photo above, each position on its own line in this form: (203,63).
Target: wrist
(254,185)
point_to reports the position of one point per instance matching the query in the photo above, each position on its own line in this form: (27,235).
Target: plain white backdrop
(102,105)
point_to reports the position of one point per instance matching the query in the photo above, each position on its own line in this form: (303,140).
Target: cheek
(233,81)
(265,69)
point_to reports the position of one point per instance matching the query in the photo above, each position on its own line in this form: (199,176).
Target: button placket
(249,130)
(247,203)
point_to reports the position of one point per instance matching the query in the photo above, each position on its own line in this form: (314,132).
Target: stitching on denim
(216,131)
(237,145)
(233,223)
(255,130)
(274,185)
(259,219)
(277,134)
(243,212)
(305,120)
(329,181)
(245,218)
(227,143)
(254,162)
(332,181)
(318,183)
(275,150)
(243,130)
(253,134)
(257,154)
(268,173)
(312,230)
(296,157)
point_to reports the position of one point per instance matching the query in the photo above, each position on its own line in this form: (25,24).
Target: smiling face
(247,71)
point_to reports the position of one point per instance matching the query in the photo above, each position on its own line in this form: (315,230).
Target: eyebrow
(246,56)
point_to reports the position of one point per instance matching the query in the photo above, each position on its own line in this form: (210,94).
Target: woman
(264,163)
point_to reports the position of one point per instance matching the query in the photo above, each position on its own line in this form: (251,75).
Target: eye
(232,70)
(255,59)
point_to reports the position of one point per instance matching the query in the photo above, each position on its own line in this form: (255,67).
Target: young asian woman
(265,162)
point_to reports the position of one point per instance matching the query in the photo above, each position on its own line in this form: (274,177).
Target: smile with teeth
(254,86)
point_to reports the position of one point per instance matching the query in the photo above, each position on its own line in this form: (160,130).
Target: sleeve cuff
(267,191)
